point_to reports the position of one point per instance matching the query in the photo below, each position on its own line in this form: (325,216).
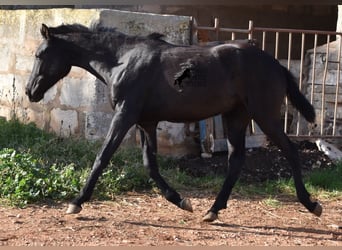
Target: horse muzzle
(33,91)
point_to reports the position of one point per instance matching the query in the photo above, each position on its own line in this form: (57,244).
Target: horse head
(51,64)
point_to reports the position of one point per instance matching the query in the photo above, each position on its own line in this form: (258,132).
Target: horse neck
(95,54)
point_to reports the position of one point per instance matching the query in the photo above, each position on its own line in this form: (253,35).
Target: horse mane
(95,28)
(69,28)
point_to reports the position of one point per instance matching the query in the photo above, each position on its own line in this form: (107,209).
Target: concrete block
(5,112)
(331,77)
(175,28)
(5,55)
(64,122)
(97,124)
(29,115)
(50,95)
(76,92)
(173,133)
(10,26)
(24,62)
(7,88)
(55,17)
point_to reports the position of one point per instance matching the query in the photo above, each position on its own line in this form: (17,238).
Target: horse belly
(198,105)
(189,105)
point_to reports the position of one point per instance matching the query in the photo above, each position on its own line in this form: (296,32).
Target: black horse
(150,80)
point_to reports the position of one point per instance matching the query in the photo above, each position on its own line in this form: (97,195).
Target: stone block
(7,90)
(97,124)
(5,112)
(173,133)
(24,62)
(330,79)
(175,28)
(76,92)
(50,95)
(55,17)
(5,55)
(64,122)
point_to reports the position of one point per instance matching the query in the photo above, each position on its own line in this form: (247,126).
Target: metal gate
(313,56)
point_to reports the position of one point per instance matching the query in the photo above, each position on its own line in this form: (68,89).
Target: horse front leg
(119,126)
(149,147)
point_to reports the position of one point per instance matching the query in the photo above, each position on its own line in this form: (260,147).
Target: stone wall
(78,104)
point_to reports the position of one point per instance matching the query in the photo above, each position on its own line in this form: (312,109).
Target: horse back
(193,82)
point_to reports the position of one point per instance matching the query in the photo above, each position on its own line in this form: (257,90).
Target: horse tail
(298,99)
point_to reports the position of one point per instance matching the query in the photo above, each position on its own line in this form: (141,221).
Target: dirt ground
(147,219)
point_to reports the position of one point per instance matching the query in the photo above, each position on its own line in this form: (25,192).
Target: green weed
(37,166)
(328,179)
(24,180)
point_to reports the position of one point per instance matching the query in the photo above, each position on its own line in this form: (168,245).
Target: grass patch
(321,183)
(271,202)
(328,179)
(37,166)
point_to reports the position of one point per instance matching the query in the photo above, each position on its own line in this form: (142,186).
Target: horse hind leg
(236,124)
(149,147)
(273,130)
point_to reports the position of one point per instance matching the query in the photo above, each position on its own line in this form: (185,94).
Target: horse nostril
(28,93)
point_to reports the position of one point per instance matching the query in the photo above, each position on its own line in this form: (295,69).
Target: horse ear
(44,30)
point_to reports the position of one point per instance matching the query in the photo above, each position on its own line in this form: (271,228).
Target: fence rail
(314,56)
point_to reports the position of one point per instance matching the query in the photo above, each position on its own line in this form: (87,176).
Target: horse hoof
(210,217)
(185,204)
(318,210)
(73,209)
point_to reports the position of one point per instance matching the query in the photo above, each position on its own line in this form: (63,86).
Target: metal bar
(250,36)
(233,36)
(276,45)
(313,70)
(337,85)
(217,28)
(301,77)
(312,94)
(264,29)
(243,31)
(323,84)
(288,67)
(289,51)
(263,40)
(298,31)
(315,136)
(250,29)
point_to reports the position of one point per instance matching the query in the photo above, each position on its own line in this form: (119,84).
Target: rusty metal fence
(313,56)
